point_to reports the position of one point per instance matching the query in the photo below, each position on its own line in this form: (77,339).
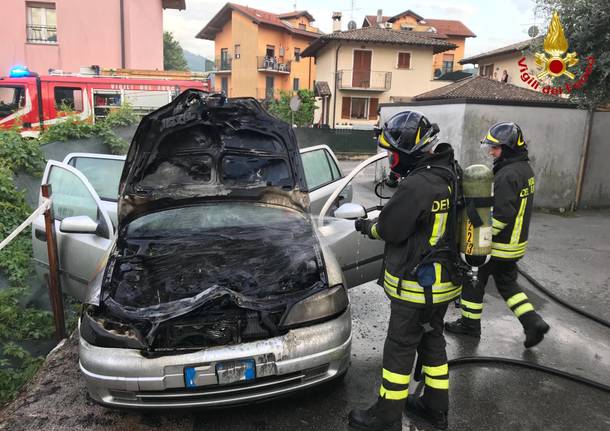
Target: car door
(322,174)
(103,171)
(79,253)
(359,256)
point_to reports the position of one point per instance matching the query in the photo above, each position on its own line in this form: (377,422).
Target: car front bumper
(302,358)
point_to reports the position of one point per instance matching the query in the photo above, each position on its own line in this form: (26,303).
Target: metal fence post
(53,278)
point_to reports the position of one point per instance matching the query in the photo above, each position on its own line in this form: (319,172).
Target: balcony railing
(350,79)
(223,64)
(272,64)
(42,33)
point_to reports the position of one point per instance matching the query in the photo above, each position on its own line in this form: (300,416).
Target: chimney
(379,18)
(336,21)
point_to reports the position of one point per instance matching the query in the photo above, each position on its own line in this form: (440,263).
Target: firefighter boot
(381,416)
(416,409)
(464,326)
(534,328)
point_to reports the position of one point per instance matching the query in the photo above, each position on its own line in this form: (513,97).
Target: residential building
(70,34)
(452,31)
(367,66)
(258,53)
(493,63)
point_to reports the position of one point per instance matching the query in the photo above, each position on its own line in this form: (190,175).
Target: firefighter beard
(412,222)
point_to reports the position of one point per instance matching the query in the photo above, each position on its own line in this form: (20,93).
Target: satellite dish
(295,103)
(352,25)
(532,31)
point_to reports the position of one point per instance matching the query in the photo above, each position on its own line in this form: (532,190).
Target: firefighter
(412,224)
(514,186)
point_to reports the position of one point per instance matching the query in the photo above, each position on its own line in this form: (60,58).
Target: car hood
(200,148)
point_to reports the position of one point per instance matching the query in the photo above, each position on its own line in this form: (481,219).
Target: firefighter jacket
(514,186)
(411,223)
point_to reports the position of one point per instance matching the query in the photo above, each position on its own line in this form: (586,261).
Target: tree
(586,24)
(173,56)
(303,117)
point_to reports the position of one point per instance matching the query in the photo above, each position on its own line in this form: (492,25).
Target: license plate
(236,371)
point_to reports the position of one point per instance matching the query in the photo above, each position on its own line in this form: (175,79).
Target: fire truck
(33,103)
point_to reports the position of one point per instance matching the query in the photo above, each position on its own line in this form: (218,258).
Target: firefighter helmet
(408,135)
(506,134)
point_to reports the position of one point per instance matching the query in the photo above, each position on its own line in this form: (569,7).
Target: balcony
(268,93)
(273,65)
(350,79)
(223,64)
(42,33)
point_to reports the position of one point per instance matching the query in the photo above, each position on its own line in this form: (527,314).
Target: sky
(496,23)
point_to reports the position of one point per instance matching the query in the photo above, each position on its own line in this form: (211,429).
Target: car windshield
(209,218)
(11,99)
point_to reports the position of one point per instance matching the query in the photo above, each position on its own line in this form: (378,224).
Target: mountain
(198,63)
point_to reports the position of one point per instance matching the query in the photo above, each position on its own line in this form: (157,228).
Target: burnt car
(216,288)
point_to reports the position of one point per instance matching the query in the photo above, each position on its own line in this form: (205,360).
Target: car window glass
(11,99)
(333,166)
(317,170)
(242,170)
(186,221)
(70,195)
(103,174)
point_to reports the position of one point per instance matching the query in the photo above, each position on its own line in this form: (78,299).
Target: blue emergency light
(19,72)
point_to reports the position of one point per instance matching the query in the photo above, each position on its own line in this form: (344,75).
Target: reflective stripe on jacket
(514,187)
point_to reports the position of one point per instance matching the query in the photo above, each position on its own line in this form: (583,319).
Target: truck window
(11,99)
(68,99)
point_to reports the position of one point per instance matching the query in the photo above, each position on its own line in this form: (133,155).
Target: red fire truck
(34,102)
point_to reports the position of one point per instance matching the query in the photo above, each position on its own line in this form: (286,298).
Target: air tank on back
(475,242)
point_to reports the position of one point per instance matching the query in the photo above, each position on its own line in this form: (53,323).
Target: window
(358,111)
(68,99)
(447,63)
(406,27)
(270,51)
(487,70)
(269,87)
(359,108)
(225,61)
(103,174)
(297,54)
(41,23)
(295,84)
(11,100)
(318,171)
(302,26)
(70,195)
(224,85)
(404,60)
(237,51)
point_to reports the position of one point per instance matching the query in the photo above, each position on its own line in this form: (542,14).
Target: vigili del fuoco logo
(554,62)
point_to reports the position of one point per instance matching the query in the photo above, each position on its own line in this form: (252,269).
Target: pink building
(69,34)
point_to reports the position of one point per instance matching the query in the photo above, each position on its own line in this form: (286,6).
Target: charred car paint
(215,248)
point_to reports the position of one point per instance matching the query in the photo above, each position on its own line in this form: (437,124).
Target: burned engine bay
(214,242)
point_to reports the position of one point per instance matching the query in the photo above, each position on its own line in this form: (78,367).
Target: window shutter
(404,60)
(346,104)
(373,104)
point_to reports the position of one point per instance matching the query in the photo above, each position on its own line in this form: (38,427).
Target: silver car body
(301,358)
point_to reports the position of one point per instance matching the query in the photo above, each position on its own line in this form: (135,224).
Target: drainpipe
(309,76)
(122,14)
(335,90)
(583,158)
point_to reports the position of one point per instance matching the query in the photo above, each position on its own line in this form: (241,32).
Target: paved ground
(482,397)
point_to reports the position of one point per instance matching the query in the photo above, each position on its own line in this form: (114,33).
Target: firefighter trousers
(406,336)
(505,276)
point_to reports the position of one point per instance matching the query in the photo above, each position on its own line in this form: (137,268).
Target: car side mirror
(78,224)
(350,211)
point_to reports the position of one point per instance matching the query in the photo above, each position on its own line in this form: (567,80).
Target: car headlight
(317,307)
(119,336)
